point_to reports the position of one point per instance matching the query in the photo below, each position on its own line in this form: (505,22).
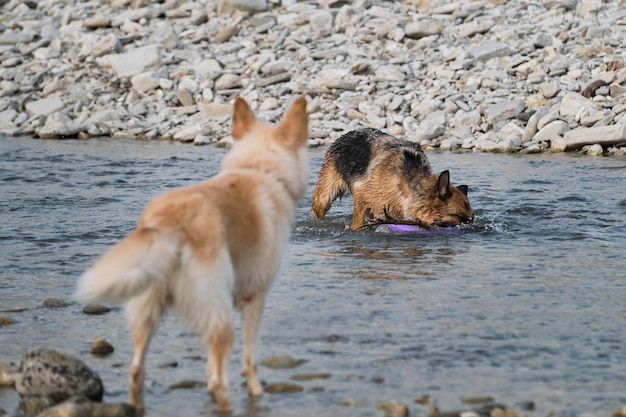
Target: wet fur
(210,248)
(390,179)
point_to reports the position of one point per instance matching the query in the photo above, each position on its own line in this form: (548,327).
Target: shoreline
(464,75)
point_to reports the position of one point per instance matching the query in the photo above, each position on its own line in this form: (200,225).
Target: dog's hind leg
(330,186)
(143,313)
(221,344)
(251,311)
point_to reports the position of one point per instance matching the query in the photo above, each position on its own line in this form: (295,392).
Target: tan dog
(208,248)
(390,180)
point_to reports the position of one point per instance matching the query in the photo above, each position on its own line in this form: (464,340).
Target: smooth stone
(504,110)
(485,51)
(54,303)
(281,362)
(58,126)
(232,6)
(577,138)
(595,150)
(551,131)
(423,28)
(6,321)
(96,309)
(282,388)
(7,378)
(228,81)
(134,61)
(393,409)
(101,346)
(45,106)
(572,103)
(309,377)
(145,82)
(188,384)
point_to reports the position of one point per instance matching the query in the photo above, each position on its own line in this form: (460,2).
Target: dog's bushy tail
(143,258)
(330,186)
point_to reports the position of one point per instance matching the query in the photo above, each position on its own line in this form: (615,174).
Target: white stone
(572,103)
(577,138)
(250,6)
(486,51)
(134,61)
(228,81)
(531,127)
(209,68)
(45,106)
(432,126)
(321,22)
(504,110)
(390,73)
(423,28)
(145,82)
(467,118)
(551,131)
(595,150)
(549,89)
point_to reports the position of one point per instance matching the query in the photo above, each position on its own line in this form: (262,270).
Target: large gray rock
(45,377)
(602,135)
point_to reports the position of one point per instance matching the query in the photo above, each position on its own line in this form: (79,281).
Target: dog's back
(389,178)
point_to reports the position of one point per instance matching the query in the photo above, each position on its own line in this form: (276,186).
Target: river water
(528,308)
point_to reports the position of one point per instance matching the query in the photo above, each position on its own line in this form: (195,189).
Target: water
(529,308)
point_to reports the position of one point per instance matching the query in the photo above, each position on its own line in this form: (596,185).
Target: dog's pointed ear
(442,184)
(463,189)
(243,119)
(295,125)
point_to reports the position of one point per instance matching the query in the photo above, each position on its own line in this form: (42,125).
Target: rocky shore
(488,75)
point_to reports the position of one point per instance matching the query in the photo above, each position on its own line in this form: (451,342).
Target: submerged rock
(96,309)
(101,346)
(54,303)
(282,388)
(281,362)
(83,407)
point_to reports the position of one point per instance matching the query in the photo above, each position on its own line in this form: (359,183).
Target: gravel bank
(487,75)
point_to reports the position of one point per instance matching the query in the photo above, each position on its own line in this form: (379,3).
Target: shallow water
(528,308)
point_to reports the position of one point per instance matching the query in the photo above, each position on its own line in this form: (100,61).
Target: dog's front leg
(251,311)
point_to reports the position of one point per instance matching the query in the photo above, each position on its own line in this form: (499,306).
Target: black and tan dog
(390,180)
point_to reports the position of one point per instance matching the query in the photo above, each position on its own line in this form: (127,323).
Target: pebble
(6,321)
(309,377)
(282,388)
(393,409)
(54,303)
(281,362)
(7,378)
(101,346)
(151,70)
(96,309)
(188,384)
